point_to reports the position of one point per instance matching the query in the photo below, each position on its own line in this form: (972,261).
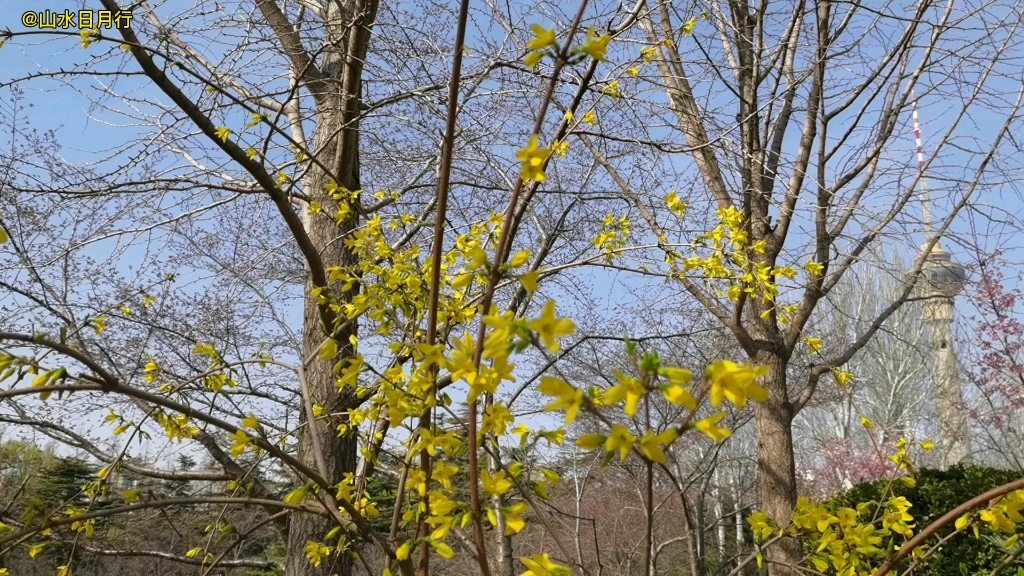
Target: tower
(940,281)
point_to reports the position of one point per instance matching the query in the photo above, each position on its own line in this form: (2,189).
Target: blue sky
(82,129)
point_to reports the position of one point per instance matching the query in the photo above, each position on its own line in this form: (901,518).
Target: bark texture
(337,93)
(775,462)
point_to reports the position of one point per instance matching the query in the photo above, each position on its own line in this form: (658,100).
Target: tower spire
(926,201)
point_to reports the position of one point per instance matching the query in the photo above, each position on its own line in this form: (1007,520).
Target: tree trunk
(339,452)
(719,517)
(697,567)
(775,462)
(741,548)
(336,147)
(506,562)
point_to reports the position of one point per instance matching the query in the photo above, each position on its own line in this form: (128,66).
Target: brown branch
(298,55)
(235,152)
(685,107)
(105,378)
(241,536)
(241,563)
(946,519)
(355,522)
(808,134)
(441,215)
(176,40)
(236,472)
(78,441)
(159,504)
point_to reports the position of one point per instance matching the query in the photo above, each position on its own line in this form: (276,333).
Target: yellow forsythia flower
(813,344)
(628,389)
(689,26)
(814,268)
(533,158)
(87,35)
(708,427)
(541,565)
(651,444)
(543,39)
(569,398)
(842,377)
(596,46)
(223,133)
(620,439)
(735,382)
(550,328)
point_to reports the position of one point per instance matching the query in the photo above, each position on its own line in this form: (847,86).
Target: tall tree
(272,170)
(791,113)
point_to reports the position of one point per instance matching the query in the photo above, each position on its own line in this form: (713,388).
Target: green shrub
(937,492)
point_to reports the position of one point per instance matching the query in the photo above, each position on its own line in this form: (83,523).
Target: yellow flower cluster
(613,236)
(855,541)
(735,382)
(725,253)
(845,540)
(596,46)
(445,512)
(725,381)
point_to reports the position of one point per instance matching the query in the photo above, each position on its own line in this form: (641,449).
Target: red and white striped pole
(926,202)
